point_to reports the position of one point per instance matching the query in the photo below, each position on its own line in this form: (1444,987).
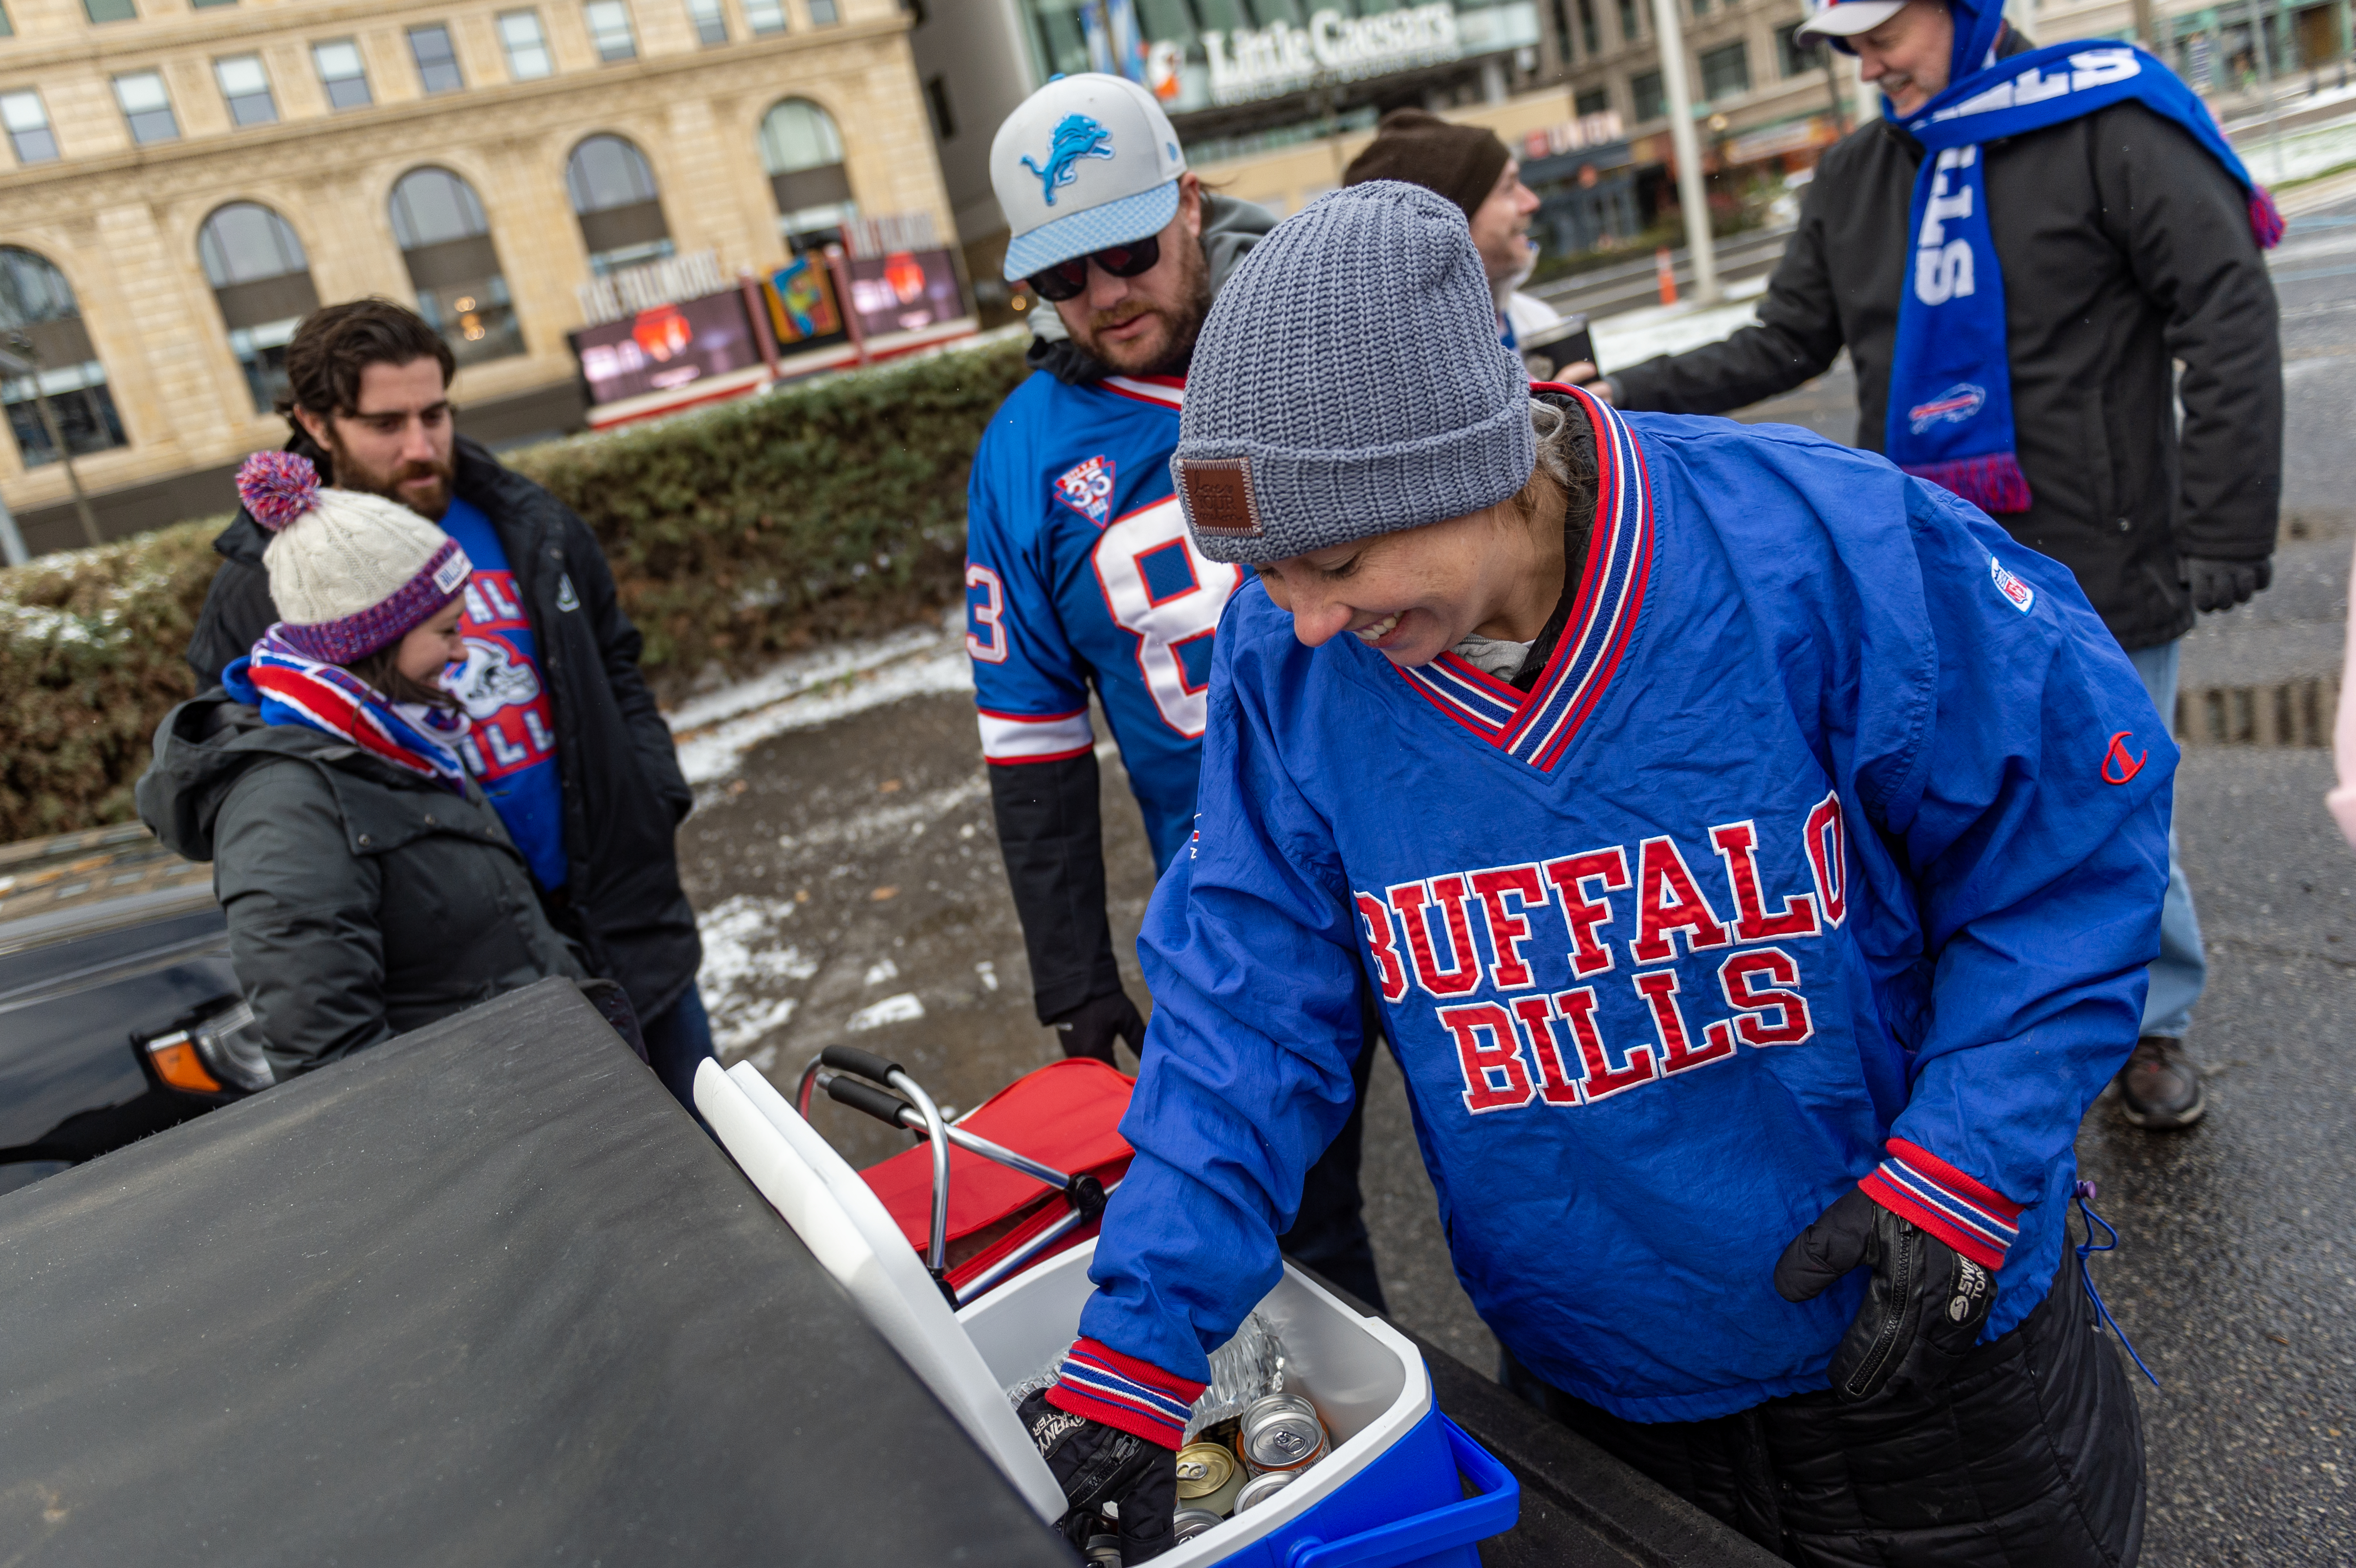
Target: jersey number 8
(1162,591)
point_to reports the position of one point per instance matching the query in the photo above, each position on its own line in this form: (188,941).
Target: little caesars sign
(1280,57)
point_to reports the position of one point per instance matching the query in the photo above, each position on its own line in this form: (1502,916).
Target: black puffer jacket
(363,901)
(2124,246)
(623,795)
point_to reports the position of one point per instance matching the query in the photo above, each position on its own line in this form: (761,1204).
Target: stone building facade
(182,179)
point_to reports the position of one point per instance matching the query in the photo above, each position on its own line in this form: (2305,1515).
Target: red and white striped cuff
(1027,738)
(1914,1184)
(1133,1396)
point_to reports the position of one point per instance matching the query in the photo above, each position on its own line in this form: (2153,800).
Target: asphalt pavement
(852,890)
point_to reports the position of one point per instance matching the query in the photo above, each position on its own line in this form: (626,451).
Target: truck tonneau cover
(482,1294)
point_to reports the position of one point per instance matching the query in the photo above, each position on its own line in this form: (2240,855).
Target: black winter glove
(1089,1029)
(1096,1465)
(2222,585)
(1924,1308)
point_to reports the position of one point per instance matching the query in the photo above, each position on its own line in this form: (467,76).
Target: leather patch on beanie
(1218,492)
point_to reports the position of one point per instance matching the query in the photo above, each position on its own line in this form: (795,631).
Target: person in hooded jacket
(1720,815)
(370,886)
(565,738)
(1079,574)
(2017,256)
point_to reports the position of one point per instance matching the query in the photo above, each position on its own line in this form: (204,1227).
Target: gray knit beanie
(1349,381)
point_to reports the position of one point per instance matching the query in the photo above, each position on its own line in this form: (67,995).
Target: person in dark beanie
(2018,255)
(565,740)
(1468,165)
(1720,814)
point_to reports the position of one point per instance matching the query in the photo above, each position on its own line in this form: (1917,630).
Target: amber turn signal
(178,1063)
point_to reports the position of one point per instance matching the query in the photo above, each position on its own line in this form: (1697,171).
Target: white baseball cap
(1085,162)
(1847,18)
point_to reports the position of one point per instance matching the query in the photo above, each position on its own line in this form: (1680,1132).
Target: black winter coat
(2124,245)
(363,901)
(623,795)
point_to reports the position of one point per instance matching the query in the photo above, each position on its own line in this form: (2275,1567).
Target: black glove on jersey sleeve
(1050,831)
(1096,1465)
(2222,585)
(1923,1308)
(1089,1029)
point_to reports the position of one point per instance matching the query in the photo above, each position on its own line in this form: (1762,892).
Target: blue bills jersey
(1079,572)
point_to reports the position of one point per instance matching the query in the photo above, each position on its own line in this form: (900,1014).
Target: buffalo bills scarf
(1950,384)
(290,688)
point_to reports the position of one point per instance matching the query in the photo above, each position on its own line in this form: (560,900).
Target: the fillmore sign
(1281,57)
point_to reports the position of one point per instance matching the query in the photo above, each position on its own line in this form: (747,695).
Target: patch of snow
(910,815)
(713,753)
(1632,335)
(900,1009)
(803,673)
(744,958)
(764,1059)
(881,971)
(989,972)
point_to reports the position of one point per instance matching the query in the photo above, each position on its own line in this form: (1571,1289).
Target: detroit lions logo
(490,680)
(1077,137)
(1954,405)
(1087,488)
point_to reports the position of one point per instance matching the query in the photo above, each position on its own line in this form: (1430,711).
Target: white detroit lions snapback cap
(1085,161)
(1847,18)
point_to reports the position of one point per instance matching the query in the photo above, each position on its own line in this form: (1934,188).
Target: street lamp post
(22,352)
(1691,196)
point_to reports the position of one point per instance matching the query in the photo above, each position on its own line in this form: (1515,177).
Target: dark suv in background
(119,1014)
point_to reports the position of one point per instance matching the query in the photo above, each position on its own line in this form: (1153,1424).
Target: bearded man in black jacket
(567,742)
(2125,247)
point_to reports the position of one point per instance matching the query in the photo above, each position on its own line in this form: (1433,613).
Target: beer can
(1188,1523)
(1259,1489)
(1202,1468)
(1281,1432)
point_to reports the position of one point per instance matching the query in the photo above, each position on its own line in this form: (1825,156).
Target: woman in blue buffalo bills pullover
(1756,853)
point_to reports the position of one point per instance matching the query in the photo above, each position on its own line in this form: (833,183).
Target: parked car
(119,1014)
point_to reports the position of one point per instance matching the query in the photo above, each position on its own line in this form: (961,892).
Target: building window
(209,5)
(36,300)
(937,99)
(1593,101)
(147,107)
(710,22)
(261,280)
(446,242)
(1701,8)
(437,62)
(341,72)
(110,10)
(802,152)
(609,30)
(526,44)
(764,16)
(822,14)
(614,195)
(1726,71)
(8,29)
(28,127)
(247,88)
(1645,93)
(1631,24)
(1590,33)
(1791,46)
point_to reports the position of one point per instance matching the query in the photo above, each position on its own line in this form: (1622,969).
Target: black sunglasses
(1065,280)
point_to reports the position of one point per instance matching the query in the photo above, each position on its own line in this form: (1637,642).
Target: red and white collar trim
(1165,391)
(1536,727)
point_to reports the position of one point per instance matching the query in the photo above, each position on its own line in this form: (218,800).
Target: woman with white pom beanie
(370,888)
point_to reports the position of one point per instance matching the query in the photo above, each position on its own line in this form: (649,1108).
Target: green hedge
(735,534)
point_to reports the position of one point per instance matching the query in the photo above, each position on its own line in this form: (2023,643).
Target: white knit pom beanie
(350,572)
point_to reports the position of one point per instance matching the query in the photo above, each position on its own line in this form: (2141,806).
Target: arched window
(446,242)
(36,300)
(261,280)
(614,194)
(803,154)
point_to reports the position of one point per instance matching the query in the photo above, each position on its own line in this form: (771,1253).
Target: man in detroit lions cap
(1081,578)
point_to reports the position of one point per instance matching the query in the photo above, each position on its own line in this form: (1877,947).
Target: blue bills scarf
(290,688)
(1950,383)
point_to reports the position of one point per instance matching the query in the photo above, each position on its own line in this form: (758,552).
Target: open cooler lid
(847,1228)
(482,1294)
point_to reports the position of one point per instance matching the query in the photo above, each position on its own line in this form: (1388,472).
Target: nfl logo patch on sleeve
(1218,494)
(2019,593)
